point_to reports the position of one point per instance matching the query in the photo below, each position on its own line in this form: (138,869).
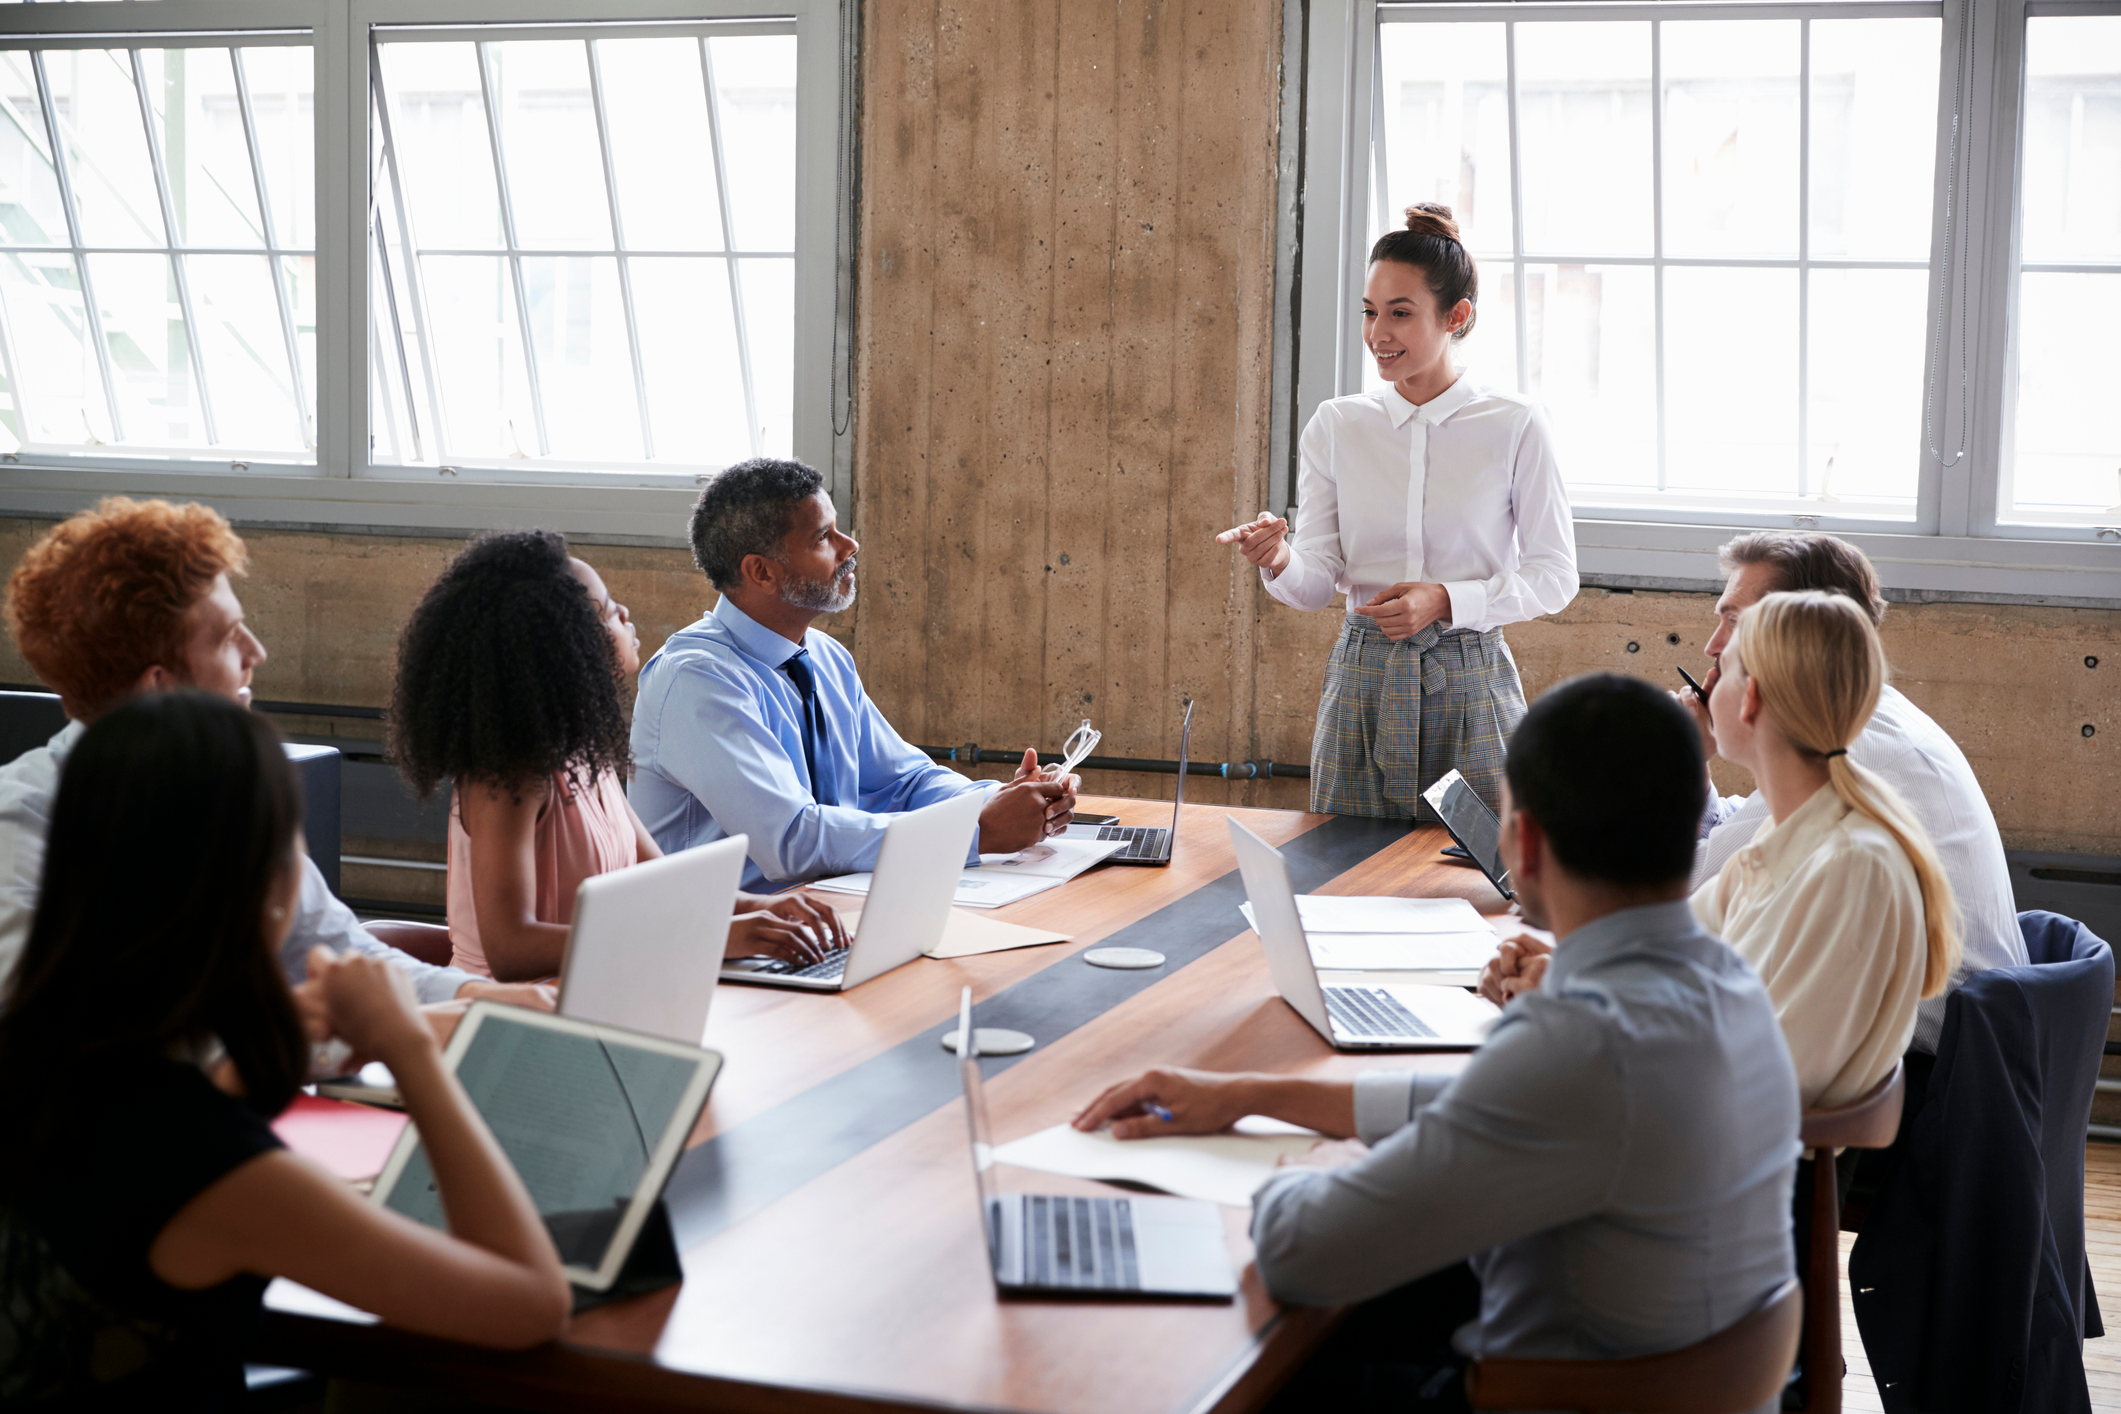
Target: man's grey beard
(822,596)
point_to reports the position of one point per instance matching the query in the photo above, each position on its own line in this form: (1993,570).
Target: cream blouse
(1826,907)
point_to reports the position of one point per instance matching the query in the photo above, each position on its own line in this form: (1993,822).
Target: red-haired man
(134,596)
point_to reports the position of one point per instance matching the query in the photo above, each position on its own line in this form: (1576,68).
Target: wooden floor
(2102,1238)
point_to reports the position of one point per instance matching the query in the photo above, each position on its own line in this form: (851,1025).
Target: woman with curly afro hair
(508,686)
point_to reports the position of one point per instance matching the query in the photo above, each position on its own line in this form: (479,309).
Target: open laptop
(592,1118)
(1046,1244)
(646,944)
(1473,825)
(1352,1018)
(908,905)
(1146,844)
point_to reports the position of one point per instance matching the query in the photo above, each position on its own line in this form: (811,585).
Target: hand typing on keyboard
(795,928)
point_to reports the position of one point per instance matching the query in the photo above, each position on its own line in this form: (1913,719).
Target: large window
(1847,264)
(295,254)
(2066,446)
(1716,282)
(585,249)
(157,251)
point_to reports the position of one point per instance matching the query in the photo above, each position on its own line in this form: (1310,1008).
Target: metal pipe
(971,754)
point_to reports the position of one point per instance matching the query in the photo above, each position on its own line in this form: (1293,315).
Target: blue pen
(1159,1111)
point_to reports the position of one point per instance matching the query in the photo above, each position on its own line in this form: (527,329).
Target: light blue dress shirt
(1616,1160)
(718,751)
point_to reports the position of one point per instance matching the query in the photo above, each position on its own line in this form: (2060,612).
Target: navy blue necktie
(813,723)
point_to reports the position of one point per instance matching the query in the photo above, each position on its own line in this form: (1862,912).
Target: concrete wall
(1065,338)
(2010,683)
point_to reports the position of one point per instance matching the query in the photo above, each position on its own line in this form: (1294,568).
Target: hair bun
(1430,218)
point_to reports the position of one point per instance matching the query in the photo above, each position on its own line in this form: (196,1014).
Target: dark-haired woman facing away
(144,1200)
(1436,507)
(508,685)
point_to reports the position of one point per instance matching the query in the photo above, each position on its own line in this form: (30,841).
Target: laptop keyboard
(1079,1243)
(831,969)
(1371,1012)
(1143,841)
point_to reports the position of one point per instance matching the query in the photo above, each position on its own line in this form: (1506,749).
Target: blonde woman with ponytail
(1841,903)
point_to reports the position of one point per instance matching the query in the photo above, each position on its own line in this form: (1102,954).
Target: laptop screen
(1472,824)
(1185,742)
(976,1118)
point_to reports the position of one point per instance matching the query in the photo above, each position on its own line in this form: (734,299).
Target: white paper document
(1327,913)
(1397,952)
(1006,878)
(1222,1168)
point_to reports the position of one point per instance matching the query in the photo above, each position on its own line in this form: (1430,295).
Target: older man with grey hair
(1901,743)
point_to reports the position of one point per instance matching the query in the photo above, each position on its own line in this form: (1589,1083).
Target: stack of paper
(969,934)
(1384,934)
(1222,1168)
(1006,878)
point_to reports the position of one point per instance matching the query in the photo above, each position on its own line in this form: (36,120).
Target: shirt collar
(753,637)
(1779,848)
(64,742)
(1619,931)
(1433,411)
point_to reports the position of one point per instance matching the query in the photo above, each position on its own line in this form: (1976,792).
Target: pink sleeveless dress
(581,832)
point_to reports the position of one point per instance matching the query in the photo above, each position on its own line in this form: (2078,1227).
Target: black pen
(1694,685)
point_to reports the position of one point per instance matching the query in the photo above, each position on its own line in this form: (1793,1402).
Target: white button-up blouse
(1828,910)
(1462,491)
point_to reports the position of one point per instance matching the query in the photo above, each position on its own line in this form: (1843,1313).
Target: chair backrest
(27,721)
(1739,1368)
(1870,1122)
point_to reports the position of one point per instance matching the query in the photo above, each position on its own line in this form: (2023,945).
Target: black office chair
(27,721)
(1969,1274)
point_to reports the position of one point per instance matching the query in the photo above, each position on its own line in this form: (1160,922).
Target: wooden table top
(833,1250)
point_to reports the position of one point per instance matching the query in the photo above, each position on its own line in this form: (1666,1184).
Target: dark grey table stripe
(733,1175)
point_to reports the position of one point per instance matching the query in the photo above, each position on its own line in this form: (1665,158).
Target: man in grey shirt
(1615,1162)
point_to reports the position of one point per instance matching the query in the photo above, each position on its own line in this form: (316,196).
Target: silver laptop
(1040,1243)
(910,892)
(646,944)
(1146,844)
(1352,1018)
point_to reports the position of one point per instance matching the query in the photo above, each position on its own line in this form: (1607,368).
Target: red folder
(353,1141)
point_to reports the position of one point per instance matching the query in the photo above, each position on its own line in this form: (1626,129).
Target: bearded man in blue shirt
(750,722)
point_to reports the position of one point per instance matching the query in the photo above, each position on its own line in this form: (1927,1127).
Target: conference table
(826,1209)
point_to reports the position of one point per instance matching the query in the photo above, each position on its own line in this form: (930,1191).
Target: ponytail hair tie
(1838,751)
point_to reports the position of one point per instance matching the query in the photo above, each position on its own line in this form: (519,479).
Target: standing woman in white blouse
(1436,507)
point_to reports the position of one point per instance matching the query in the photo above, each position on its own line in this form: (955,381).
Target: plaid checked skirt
(1395,717)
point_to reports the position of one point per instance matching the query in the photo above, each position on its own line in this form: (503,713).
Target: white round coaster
(992,1041)
(1126,958)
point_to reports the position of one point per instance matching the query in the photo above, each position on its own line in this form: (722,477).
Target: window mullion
(91,314)
(11,367)
(1804,256)
(618,245)
(156,160)
(397,336)
(381,374)
(1378,165)
(736,289)
(1517,279)
(1657,228)
(415,287)
(508,233)
(272,247)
